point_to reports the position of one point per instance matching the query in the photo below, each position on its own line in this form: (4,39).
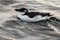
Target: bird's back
(33,14)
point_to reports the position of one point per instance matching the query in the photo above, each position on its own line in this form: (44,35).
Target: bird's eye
(24,10)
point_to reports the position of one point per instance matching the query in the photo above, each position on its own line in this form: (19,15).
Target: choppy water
(12,29)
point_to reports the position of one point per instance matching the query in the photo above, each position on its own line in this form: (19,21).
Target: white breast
(36,18)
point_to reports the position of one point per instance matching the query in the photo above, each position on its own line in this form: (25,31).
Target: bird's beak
(16,9)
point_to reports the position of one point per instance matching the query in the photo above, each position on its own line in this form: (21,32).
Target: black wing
(45,14)
(32,14)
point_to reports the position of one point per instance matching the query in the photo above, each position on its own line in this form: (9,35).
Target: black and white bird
(25,15)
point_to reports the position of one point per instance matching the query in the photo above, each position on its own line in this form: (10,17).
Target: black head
(21,10)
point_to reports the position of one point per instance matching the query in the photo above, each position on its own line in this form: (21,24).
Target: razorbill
(25,15)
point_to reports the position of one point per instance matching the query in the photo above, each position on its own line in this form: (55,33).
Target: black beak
(17,10)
